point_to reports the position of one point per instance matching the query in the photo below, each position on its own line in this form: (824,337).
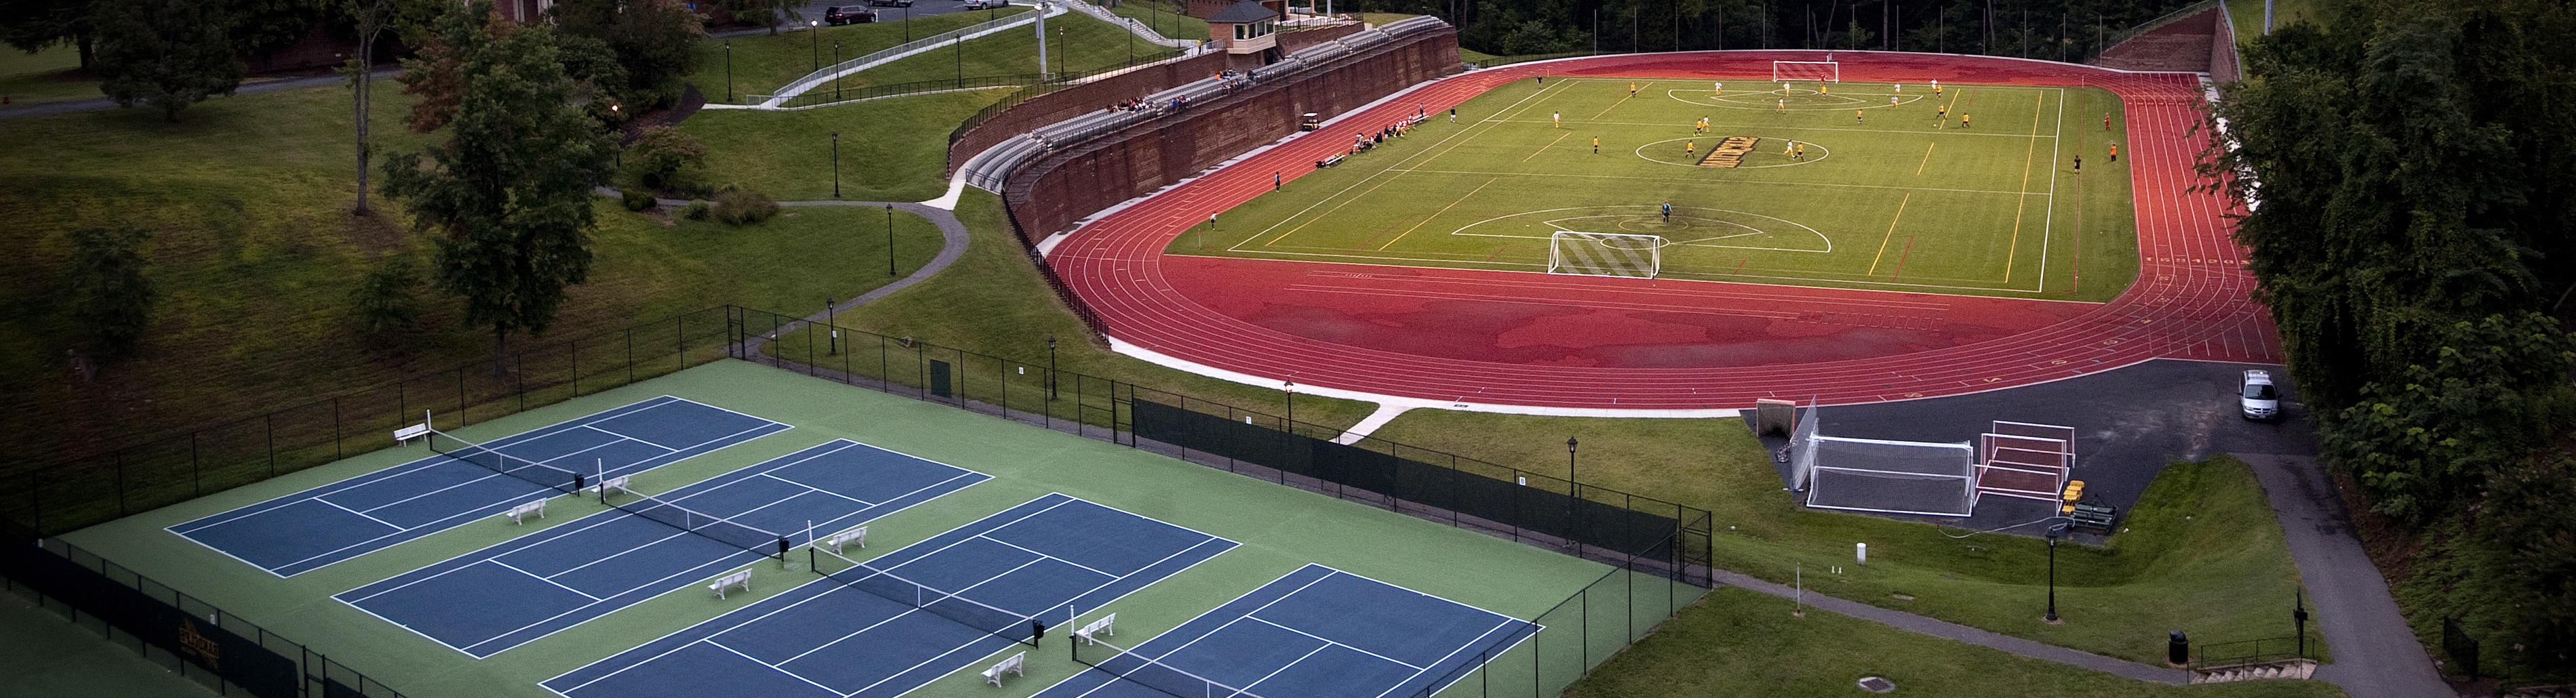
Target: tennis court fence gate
(1646,539)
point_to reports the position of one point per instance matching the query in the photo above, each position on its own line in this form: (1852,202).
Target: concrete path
(2376,654)
(1953,631)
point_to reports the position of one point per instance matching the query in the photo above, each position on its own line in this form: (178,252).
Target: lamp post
(836,62)
(2052,576)
(836,164)
(907,24)
(2299,619)
(1291,388)
(816,28)
(1051,367)
(1573,495)
(889,239)
(832,344)
(728,45)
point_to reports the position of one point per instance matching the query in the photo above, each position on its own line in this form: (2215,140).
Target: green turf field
(1280,529)
(1886,196)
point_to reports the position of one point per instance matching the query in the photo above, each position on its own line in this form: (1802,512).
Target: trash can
(2177,649)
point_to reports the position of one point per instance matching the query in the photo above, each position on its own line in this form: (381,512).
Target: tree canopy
(166,53)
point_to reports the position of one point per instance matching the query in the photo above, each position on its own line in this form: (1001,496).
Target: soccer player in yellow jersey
(1691,149)
(1941,116)
(1784,107)
(1963,121)
(1824,89)
(1860,116)
(1632,89)
(1596,145)
(1936,88)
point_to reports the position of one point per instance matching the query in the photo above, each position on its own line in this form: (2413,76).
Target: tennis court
(500,597)
(308,530)
(1316,632)
(885,628)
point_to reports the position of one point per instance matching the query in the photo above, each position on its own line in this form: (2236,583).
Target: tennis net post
(533,472)
(705,525)
(1128,665)
(954,606)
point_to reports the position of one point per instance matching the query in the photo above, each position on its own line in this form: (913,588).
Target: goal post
(1605,254)
(1815,71)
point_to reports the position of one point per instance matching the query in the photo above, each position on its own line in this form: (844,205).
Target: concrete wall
(1073,101)
(1293,41)
(1049,194)
(2184,44)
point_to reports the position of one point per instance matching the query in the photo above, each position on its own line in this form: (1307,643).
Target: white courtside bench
(856,535)
(1012,664)
(615,483)
(1107,626)
(403,436)
(737,579)
(519,514)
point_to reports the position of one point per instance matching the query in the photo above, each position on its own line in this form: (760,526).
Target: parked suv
(986,4)
(2256,396)
(889,3)
(838,15)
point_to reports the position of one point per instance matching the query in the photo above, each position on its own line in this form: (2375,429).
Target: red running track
(1517,338)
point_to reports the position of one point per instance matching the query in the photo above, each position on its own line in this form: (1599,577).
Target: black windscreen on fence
(1510,503)
(241,661)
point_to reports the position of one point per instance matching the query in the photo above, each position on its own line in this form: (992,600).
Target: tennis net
(559,479)
(950,605)
(710,526)
(1150,673)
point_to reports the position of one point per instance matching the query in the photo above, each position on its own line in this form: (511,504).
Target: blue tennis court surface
(506,595)
(1050,558)
(1315,632)
(308,530)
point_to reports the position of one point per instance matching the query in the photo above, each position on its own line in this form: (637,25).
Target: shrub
(110,295)
(636,199)
(387,300)
(696,211)
(738,206)
(663,158)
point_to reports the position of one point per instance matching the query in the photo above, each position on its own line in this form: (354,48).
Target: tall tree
(510,191)
(166,53)
(34,25)
(652,40)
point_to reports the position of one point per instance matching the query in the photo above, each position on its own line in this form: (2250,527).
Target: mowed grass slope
(1884,197)
(892,149)
(763,63)
(2200,551)
(50,75)
(1075,42)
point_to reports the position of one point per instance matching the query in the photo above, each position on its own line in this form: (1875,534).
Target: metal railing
(807,83)
(827,96)
(2259,651)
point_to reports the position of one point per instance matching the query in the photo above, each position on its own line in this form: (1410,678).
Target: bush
(663,158)
(697,210)
(387,300)
(738,206)
(636,199)
(110,295)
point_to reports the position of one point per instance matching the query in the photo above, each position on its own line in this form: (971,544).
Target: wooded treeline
(2049,29)
(2410,160)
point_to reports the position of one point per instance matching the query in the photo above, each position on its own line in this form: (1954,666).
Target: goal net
(1881,476)
(2030,461)
(1605,254)
(1818,71)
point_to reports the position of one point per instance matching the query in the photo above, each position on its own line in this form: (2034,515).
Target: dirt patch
(2391,548)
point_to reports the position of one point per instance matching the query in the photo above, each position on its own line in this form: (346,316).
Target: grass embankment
(891,149)
(2200,551)
(50,75)
(1742,643)
(1075,42)
(254,255)
(1164,18)
(992,301)
(2247,16)
(767,62)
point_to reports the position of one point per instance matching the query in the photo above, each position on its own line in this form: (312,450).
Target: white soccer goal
(1605,254)
(1890,477)
(1818,71)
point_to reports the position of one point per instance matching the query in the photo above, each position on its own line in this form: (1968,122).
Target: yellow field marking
(1550,144)
(1891,233)
(1622,100)
(1436,214)
(2020,202)
(1944,122)
(1927,159)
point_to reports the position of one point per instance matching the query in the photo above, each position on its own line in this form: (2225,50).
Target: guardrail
(836,95)
(2243,652)
(802,85)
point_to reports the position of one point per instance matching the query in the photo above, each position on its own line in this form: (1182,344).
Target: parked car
(889,3)
(987,4)
(2256,396)
(838,15)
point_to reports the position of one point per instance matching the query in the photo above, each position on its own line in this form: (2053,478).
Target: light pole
(728,45)
(816,28)
(889,239)
(1573,496)
(1051,367)
(836,165)
(2299,620)
(907,24)
(1291,388)
(832,345)
(2052,576)
(836,62)
(1569,463)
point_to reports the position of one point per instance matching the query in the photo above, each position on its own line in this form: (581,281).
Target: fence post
(335,429)
(120,486)
(270,421)
(196,470)
(575,347)
(630,353)
(520,377)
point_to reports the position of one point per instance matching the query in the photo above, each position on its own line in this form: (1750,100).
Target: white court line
(1044,556)
(622,436)
(548,580)
(817,490)
(575,568)
(1479,640)
(1283,668)
(1208,634)
(361,514)
(772,667)
(916,607)
(1329,641)
(545,462)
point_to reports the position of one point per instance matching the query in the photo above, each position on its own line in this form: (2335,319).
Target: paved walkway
(1947,630)
(2376,654)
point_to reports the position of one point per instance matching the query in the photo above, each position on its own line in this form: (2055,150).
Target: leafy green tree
(2428,438)
(663,158)
(387,299)
(111,297)
(261,26)
(2527,516)
(651,41)
(166,53)
(509,192)
(34,25)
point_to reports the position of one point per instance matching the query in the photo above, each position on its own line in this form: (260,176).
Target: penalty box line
(1469,132)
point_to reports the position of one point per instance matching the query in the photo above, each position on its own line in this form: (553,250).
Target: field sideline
(1885,196)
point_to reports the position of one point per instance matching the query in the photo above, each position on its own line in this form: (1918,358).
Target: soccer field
(1887,195)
